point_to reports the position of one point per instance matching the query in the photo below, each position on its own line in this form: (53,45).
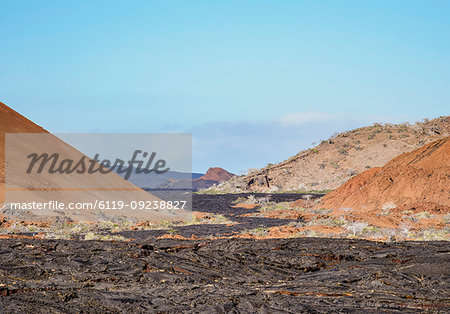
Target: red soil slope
(13,122)
(418,180)
(216,174)
(77,188)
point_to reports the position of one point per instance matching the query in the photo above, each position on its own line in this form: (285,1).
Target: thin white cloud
(238,146)
(299,118)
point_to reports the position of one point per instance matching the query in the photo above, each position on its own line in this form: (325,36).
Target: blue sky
(254,81)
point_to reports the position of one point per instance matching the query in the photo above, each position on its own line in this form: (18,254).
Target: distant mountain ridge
(161,181)
(213,176)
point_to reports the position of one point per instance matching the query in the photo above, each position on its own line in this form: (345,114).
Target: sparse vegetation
(356,228)
(422,215)
(259,232)
(308,233)
(251,199)
(271,206)
(432,234)
(240,200)
(343,152)
(320,211)
(447,219)
(387,207)
(335,165)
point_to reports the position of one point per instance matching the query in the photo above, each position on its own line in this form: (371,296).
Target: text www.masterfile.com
(99,204)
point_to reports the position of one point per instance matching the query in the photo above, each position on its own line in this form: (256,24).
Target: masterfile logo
(96,176)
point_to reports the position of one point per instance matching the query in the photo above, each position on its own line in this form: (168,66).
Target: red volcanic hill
(418,180)
(13,122)
(45,187)
(216,174)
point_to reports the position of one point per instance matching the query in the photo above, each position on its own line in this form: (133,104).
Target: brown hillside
(418,180)
(336,160)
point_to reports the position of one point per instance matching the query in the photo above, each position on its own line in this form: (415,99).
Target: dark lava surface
(222,204)
(223,276)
